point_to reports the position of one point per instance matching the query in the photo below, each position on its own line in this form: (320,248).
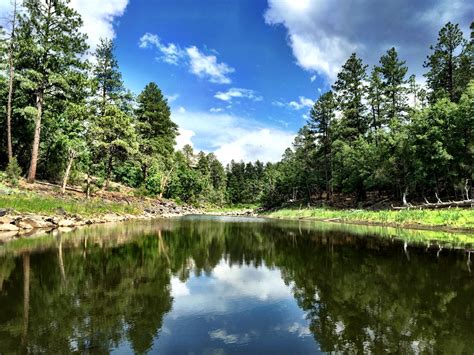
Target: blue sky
(241,75)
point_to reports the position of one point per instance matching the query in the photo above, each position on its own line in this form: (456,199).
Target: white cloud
(232,137)
(198,63)
(206,66)
(322,34)
(215,109)
(184,137)
(98,19)
(181,109)
(172,98)
(313,78)
(303,102)
(237,93)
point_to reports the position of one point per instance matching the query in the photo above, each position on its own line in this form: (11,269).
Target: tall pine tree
(51,49)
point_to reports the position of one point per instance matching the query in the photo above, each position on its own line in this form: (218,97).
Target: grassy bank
(32,203)
(448,218)
(230,208)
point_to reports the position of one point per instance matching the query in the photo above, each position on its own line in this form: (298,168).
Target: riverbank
(454,219)
(25,211)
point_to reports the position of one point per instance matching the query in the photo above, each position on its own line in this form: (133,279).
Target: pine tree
(51,47)
(393,72)
(11,58)
(349,90)
(114,138)
(321,116)
(157,132)
(107,77)
(375,99)
(445,76)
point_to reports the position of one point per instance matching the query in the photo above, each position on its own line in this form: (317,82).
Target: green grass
(452,218)
(32,203)
(231,208)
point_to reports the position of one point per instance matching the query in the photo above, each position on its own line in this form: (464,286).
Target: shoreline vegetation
(452,220)
(23,211)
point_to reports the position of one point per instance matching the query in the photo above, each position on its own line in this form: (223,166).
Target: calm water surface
(210,285)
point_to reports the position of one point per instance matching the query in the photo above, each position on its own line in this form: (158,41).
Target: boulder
(6,227)
(6,220)
(66,223)
(35,222)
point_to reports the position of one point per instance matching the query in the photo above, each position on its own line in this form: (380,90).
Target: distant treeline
(69,118)
(379,131)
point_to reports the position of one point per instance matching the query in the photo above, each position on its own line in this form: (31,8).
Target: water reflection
(230,286)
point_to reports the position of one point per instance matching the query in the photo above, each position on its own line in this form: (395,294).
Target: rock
(6,220)
(66,223)
(22,225)
(35,223)
(110,217)
(6,227)
(3,212)
(53,220)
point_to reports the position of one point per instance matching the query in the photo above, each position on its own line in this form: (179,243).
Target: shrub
(13,172)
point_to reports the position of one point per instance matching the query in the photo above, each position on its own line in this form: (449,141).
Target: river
(224,285)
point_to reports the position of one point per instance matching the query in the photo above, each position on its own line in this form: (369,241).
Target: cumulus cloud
(237,93)
(98,19)
(206,66)
(198,63)
(183,138)
(301,103)
(323,34)
(232,137)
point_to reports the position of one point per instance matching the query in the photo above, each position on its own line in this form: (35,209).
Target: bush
(13,172)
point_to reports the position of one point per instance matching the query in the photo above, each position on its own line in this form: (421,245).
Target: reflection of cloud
(247,281)
(221,334)
(218,293)
(178,288)
(301,330)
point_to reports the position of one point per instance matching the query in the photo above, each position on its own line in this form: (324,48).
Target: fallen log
(428,205)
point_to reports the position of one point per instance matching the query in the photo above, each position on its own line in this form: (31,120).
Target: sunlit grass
(32,203)
(231,208)
(454,217)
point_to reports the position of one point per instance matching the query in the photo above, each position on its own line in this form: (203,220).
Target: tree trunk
(72,155)
(109,170)
(11,74)
(9,108)
(36,140)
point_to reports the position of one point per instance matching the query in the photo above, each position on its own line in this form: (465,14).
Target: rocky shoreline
(14,224)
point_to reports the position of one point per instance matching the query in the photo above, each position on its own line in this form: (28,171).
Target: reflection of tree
(360,294)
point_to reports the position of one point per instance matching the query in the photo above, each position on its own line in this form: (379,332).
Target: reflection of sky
(234,310)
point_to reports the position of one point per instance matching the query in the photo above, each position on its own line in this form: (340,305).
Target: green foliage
(13,172)
(411,148)
(450,65)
